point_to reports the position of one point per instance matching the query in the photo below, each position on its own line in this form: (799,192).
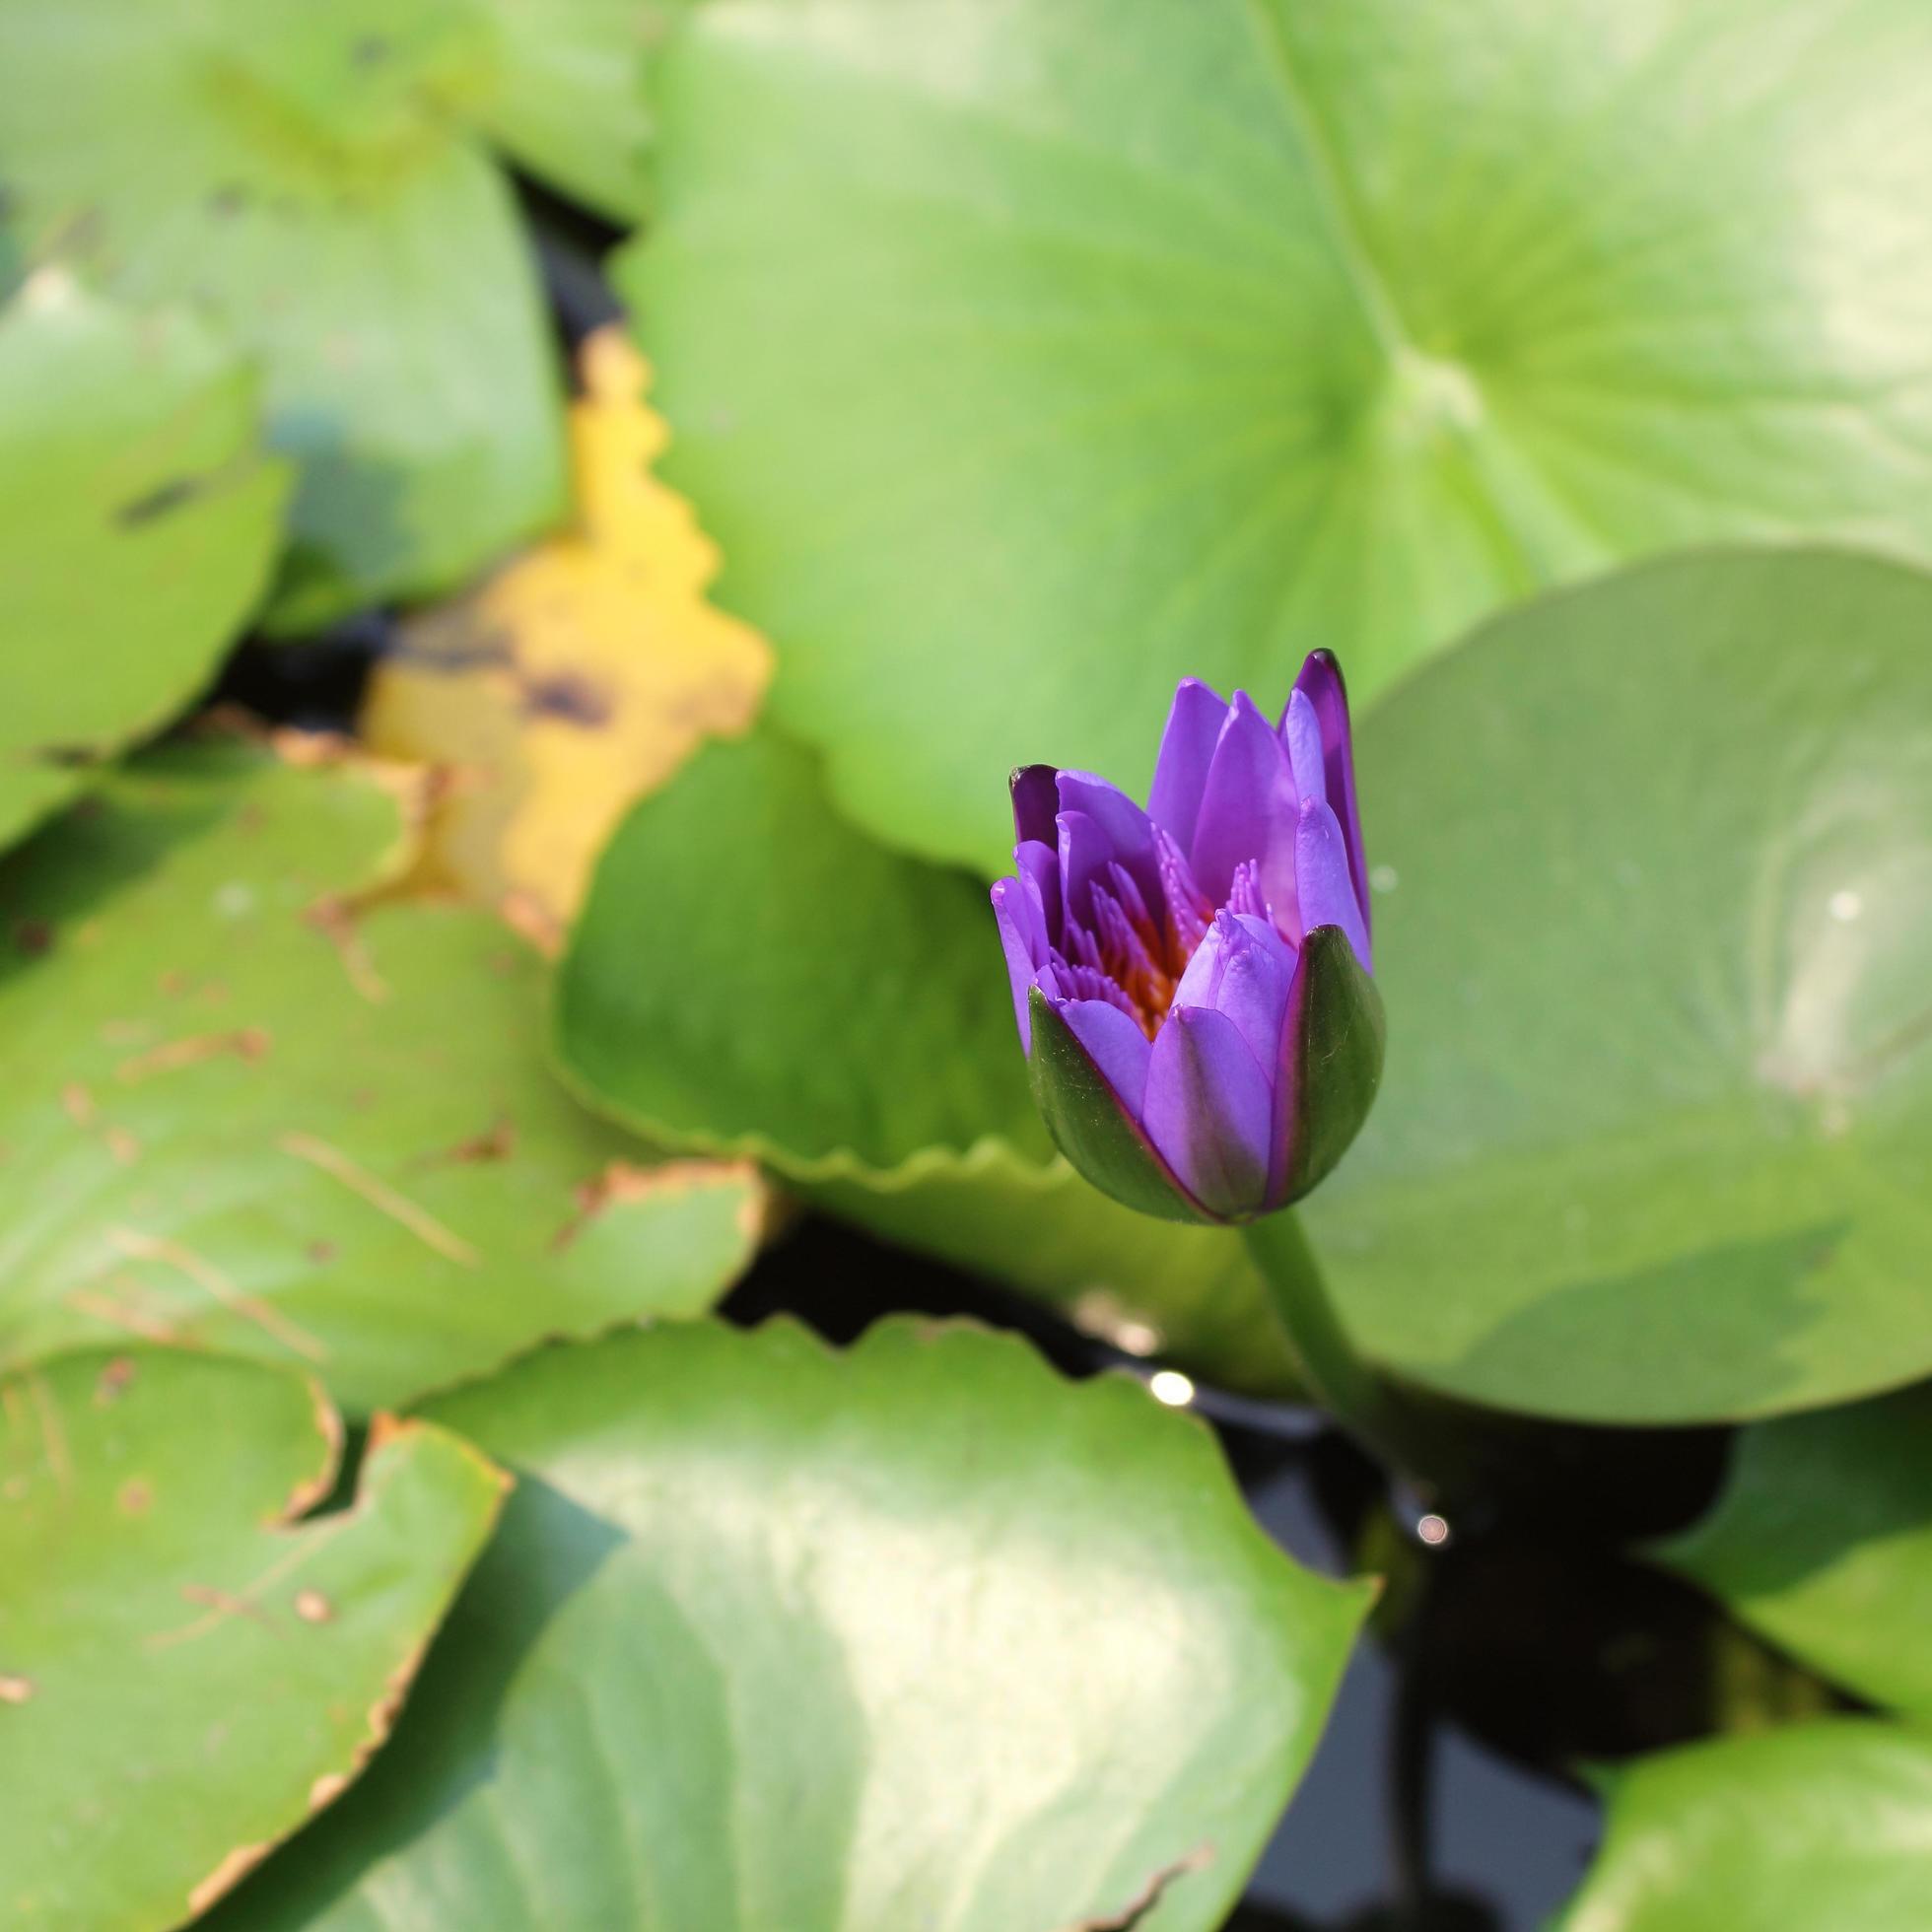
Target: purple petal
(1040,863)
(1242,969)
(1084,853)
(1287,1078)
(1125,826)
(1321,680)
(1209,1111)
(1022,936)
(1248,809)
(1325,894)
(1301,733)
(1035,801)
(1187,748)
(1116,1046)
(1254,994)
(1195,987)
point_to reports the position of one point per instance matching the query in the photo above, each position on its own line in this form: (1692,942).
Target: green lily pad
(1821,1543)
(919,1635)
(242,1113)
(1815,1827)
(572,105)
(137,525)
(753,976)
(303,175)
(1655,939)
(187,1670)
(1023,358)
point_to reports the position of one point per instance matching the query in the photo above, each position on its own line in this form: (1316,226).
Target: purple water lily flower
(1192,981)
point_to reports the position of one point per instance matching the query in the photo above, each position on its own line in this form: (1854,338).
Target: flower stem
(1392,1424)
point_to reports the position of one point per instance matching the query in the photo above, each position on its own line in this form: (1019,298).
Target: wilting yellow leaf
(578,676)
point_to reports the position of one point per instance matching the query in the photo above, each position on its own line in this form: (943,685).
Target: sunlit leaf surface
(247,1109)
(571,103)
(776,1638)
(1023,357)
(301,173)
(187,1668)
(1815,1827)
(137,525)
(1654,933)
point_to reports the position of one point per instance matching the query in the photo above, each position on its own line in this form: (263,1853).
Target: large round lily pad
(1822,1541)
(303,173)
(776,1638)
(187,1668)
(138,520)
(1024,357)
(1815,1827)
(752,975)
(1655,939)
(243,1110)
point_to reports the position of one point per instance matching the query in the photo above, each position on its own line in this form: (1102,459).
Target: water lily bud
(1192,981)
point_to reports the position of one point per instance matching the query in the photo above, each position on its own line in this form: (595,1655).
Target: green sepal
(1332,1050)
(1091,1127)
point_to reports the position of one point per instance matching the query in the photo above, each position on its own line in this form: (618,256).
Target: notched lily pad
(190,1665)
(774,1636)
(248,1108)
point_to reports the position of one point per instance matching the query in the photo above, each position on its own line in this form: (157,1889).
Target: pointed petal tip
(1321,679)
(1247,808)
(1322,664)
(1187,748)
(1192,687)
(1035,791)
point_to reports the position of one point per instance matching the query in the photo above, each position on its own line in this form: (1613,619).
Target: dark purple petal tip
(1036,799)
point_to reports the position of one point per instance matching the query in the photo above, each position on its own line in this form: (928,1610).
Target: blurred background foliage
(1564,367)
